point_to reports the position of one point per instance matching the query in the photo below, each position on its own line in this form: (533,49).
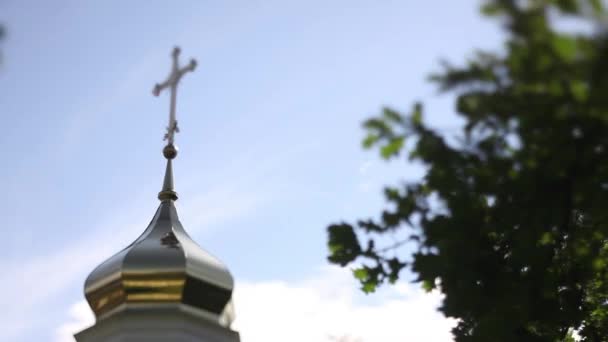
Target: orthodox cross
(171,82)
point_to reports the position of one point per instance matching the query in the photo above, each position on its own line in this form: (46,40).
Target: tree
(511,221)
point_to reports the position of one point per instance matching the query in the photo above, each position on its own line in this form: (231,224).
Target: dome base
(158,325)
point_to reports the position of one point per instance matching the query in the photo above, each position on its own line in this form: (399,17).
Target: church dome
(164,267)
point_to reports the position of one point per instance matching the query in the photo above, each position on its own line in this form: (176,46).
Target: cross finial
(171,82)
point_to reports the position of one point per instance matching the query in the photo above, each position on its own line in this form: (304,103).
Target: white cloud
(329,307)
(80,317)
(324,308)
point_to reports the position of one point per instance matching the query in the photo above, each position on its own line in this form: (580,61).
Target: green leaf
(392,149)
(361,274)
(547,238)
(579,90)
(377,126)
(599,264)
(491,8)
(392,115)
(598,6)
(343,244)
(368,287)
(568,6)
(428,285)
(370,140)
(565,47)
(417,114)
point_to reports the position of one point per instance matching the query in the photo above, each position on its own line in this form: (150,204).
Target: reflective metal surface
(164,265)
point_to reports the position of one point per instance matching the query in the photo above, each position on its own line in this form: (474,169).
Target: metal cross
(171,82)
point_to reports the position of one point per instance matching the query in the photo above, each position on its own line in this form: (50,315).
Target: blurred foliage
(511,221)
(2,35)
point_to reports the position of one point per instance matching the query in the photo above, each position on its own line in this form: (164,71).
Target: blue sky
(270,132)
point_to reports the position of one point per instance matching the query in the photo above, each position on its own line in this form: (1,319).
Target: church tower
(163,287)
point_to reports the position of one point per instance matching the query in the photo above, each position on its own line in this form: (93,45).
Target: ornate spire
(171,82)
(168,192)
(170,151)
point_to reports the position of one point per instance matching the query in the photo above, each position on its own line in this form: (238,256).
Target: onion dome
(164,268)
